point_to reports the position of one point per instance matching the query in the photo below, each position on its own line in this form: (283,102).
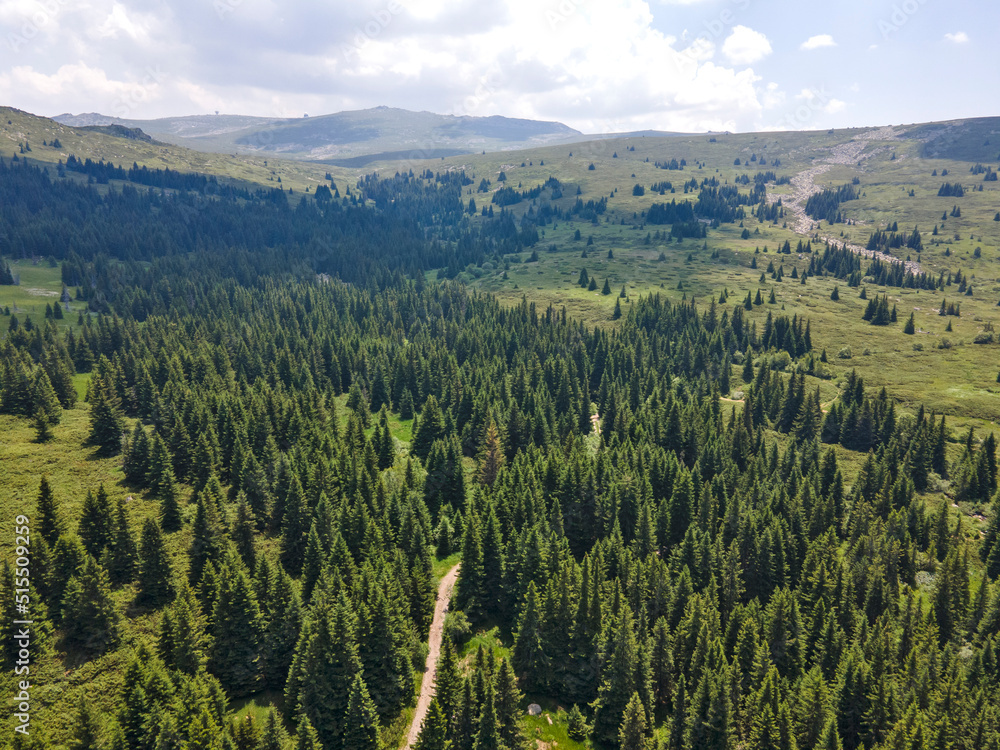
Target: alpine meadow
(519,438)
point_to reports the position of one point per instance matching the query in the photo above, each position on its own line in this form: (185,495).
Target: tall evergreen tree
(323,671)
(237,633)
(155,572)
(90,620)
(107,421)
(434,731)
(361,727)
(50,521)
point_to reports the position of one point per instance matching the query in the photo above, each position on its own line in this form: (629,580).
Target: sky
(595,65)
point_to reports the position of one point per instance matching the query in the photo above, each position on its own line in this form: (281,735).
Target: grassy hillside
(942,369)
(18,128)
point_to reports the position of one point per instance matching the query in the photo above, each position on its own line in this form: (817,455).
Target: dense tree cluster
(825,205)
(673,567)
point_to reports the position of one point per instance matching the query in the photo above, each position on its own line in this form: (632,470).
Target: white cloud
(745,46)
(773,96)
(834,105)
(818,41)
(958,37)
(595,66)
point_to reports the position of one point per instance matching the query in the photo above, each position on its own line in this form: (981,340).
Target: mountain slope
(343,134)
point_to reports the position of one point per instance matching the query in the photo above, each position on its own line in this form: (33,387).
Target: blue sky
(597,65)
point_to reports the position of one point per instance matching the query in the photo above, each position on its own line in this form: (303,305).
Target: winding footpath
(445,589)
(850,153)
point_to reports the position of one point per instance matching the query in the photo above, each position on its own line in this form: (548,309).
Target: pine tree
(125,553)
(97,523)
(491,455)
(910,327)
(434,731)
(50,521)
(323,671)
(206,538)
(429,429)
(528,655)
(618,682)
(632,734)
(295,529)
(182,633)
(90,620)
(307,737)
(238,632)
(107,421)
(274,736)
(361,727)
(155,573)
(87,728)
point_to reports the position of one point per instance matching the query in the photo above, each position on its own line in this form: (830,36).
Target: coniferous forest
(677,570)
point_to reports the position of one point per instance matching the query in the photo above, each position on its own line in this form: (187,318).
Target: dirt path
(445,589)
(804,185)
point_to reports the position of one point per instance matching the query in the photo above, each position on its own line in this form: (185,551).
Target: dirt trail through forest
(804,185)
(445,589)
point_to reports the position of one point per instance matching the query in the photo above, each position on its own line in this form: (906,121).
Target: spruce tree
(155,572)
(107,421)
(295,529)
(125,553)
(274,736)
(632,734)
(207,538)
(488,729)
(508,700)
(307,739)
(429,429)
(469,588)
(491,455)
(618,679)
(361,729)
(323,671)
(242,532)
(182,633)
(50,521)
(97,522)
(434,731)
(237,633)
(87,728)
(448,679)
(90,620)
(135,462)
